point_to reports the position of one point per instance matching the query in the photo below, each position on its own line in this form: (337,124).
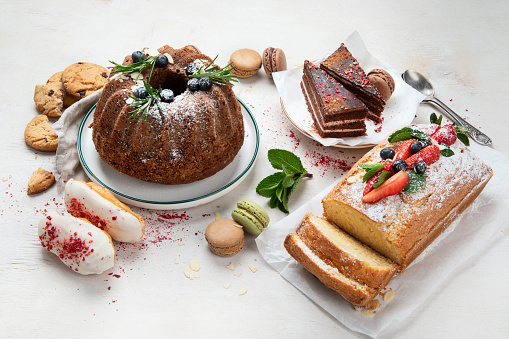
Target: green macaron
(251,216)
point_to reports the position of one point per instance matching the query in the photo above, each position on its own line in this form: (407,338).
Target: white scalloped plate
(157,196)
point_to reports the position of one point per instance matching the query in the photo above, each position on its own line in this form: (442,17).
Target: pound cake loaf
(338,260)
(401,224)
(194,131)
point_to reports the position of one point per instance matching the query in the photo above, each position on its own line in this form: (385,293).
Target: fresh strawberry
(374,179)
(430,129)
(445,135)
(391,186)
(403,150)
(429,155)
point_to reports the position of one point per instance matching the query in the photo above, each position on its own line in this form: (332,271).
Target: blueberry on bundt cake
(161,118)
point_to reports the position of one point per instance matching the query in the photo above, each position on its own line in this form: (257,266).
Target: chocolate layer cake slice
(336,111)
(344,68)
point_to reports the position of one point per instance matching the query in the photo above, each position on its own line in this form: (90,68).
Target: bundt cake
(190,134)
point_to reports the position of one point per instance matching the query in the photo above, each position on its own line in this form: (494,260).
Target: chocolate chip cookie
(48,100)
(40,135)
(83,78)
(40,181)
(55,83)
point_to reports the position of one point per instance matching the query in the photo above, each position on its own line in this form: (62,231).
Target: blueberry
(191,69)
(399,165)
(167,95)
(415,147)
(205,83)
(420,167)
(140,93)
(161,60)
(387,153)
(425,143)
(138,56)
(193,84)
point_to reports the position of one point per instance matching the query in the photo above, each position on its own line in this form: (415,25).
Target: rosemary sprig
(141,106)
(136,67)
(219,76)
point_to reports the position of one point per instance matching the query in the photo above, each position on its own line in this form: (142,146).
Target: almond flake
(253,269)
(243,291)
(231,266)
(227,285)
(195,265)
(388,296)
(367,313)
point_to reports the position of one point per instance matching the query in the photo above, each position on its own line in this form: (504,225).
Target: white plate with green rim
(143,194)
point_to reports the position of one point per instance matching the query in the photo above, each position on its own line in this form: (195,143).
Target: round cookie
(383,82)
(48,101)
(225,237)
(83,78)
(40,181)
(246,62)
(55,83)
(40,135)
(251,216)
(274,60)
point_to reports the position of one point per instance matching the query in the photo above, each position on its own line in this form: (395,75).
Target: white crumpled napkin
(398,112)
(66,128)
(472,232)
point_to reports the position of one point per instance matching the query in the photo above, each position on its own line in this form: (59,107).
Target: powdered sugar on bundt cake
(191,138)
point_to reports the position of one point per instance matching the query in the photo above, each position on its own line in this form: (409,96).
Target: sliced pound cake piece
(338,260)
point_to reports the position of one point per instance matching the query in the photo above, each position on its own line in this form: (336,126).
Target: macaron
(252,217)
(274,60)
(225,237)
(383,82)
(246,62)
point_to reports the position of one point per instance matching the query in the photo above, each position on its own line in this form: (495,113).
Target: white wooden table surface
(460,45)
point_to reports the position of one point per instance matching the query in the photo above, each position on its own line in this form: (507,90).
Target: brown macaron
(246,62)
(274,60)
(383,82)
(225,237)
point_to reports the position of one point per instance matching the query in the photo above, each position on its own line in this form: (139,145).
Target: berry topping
(138,56)
(403,150)
(430,129)
(161,60)
(445,135)
(191,69)
(167,95)
(391,186)
(378,178)
(193,84)
(205,83)
(399,165)
(415,147)
(420,167)
(387,153)
(425,143)
(140,93)
(429,155)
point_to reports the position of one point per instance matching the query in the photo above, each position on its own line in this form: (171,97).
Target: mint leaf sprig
(280,185)
(219,76)
(141,106)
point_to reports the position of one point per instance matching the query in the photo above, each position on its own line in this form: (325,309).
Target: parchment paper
(472,231)
(398,112)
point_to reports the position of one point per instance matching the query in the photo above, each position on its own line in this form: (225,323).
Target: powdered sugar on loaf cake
(401,226)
